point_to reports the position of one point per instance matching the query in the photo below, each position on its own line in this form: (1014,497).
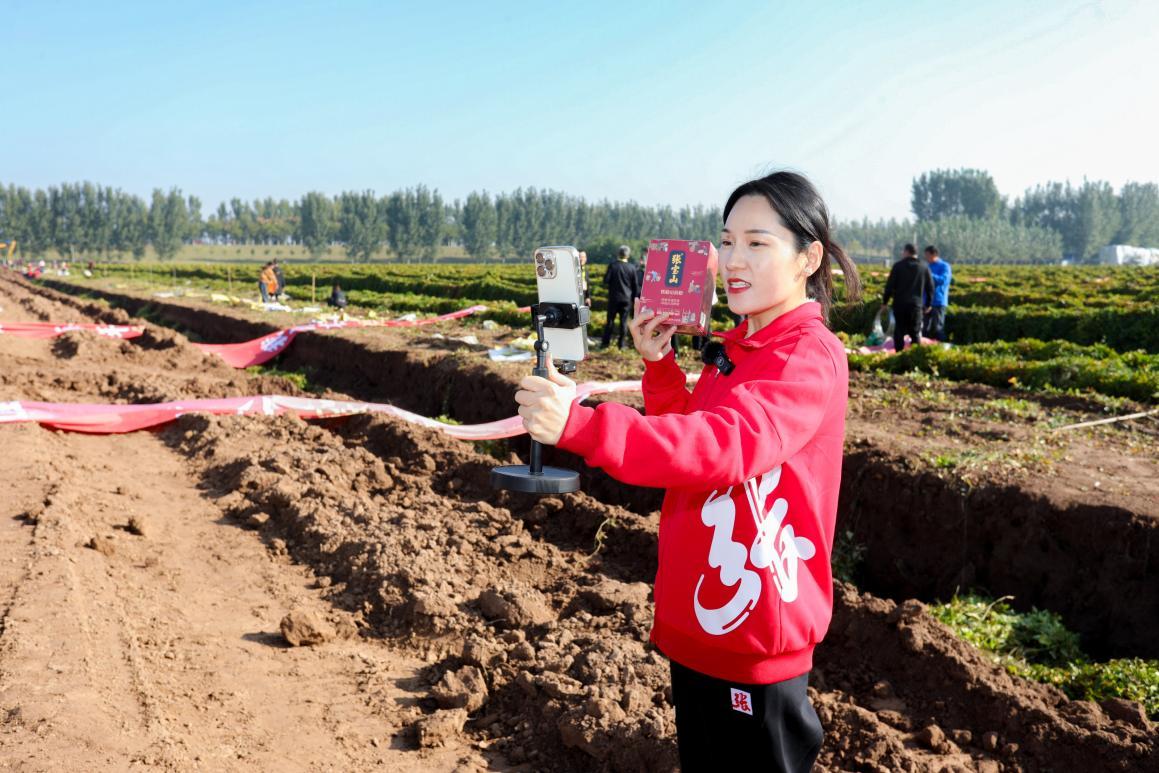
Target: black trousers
(620,309)
(907,320)
(770,727)
(935,323)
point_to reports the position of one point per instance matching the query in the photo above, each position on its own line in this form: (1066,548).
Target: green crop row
(307,288)
(1087,305)
(1122,328)
(1115,305)
(1053,365)
(403,287)
(1037,645)
(975,286)
(515,284)
(989,286)
(1069,287)
(503,312)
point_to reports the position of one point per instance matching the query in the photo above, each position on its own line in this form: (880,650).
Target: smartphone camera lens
(550,265)
(540,270)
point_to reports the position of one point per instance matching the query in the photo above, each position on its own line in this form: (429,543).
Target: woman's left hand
(545,404)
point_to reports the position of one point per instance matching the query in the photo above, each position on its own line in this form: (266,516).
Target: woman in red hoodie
(751,460)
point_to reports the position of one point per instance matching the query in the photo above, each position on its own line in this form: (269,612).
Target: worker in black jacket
(623,287)
(909,281)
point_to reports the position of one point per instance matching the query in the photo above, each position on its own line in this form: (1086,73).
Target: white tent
(1123,255)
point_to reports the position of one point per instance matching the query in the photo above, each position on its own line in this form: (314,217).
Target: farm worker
(267,282)
(909,280)
(587,290)
(938,299)
(620,279)
(751,461)
(639,279)
(279,279)
(337,298)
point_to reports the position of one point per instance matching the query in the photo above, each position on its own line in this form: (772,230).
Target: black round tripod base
(518,477)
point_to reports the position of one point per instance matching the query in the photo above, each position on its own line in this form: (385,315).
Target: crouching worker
(337,298)
(751,460)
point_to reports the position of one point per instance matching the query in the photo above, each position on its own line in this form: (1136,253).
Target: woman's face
(764,273)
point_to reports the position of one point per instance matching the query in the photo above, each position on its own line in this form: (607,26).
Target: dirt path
(121,650)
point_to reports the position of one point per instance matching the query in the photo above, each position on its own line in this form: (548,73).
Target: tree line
(961,211)
(959,238)
(84,219)
(93,220)
(1078,220)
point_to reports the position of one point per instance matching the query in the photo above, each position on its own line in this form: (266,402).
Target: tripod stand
(534,478)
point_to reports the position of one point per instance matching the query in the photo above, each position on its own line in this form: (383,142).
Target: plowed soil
(145,582)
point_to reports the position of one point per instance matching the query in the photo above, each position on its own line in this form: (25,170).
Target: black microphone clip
(714,354)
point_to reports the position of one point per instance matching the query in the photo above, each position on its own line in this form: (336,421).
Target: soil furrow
(143,631)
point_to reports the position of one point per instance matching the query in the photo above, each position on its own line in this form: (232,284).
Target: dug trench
(537,647)
(923,535)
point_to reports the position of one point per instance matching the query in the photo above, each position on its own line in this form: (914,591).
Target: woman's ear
(812,254)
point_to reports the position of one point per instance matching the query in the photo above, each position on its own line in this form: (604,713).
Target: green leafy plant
(848,555)
(1030,364)
(298,379)
(1037,645)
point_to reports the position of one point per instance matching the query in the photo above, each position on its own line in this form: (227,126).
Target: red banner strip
(53,329)
(105,419)
(239,355)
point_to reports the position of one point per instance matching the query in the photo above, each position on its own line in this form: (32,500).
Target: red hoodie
(752,466)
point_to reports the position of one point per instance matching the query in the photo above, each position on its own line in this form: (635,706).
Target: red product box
(680,279)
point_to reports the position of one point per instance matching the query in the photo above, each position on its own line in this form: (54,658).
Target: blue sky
(660,102)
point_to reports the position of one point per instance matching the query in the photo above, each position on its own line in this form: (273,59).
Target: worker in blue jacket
(937,299)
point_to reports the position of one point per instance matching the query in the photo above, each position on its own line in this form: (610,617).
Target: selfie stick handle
(540,369)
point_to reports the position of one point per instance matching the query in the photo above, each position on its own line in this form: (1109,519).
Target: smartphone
(559,279)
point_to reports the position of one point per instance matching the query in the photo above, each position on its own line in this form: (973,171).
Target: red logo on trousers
(742,701)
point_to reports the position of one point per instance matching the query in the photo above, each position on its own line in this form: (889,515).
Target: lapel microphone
(713,353)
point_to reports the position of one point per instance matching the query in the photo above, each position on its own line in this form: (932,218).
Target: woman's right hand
(650,334)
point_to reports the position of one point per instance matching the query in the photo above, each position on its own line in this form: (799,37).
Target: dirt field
(144,578)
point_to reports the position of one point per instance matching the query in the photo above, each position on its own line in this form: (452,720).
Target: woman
(744,587)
